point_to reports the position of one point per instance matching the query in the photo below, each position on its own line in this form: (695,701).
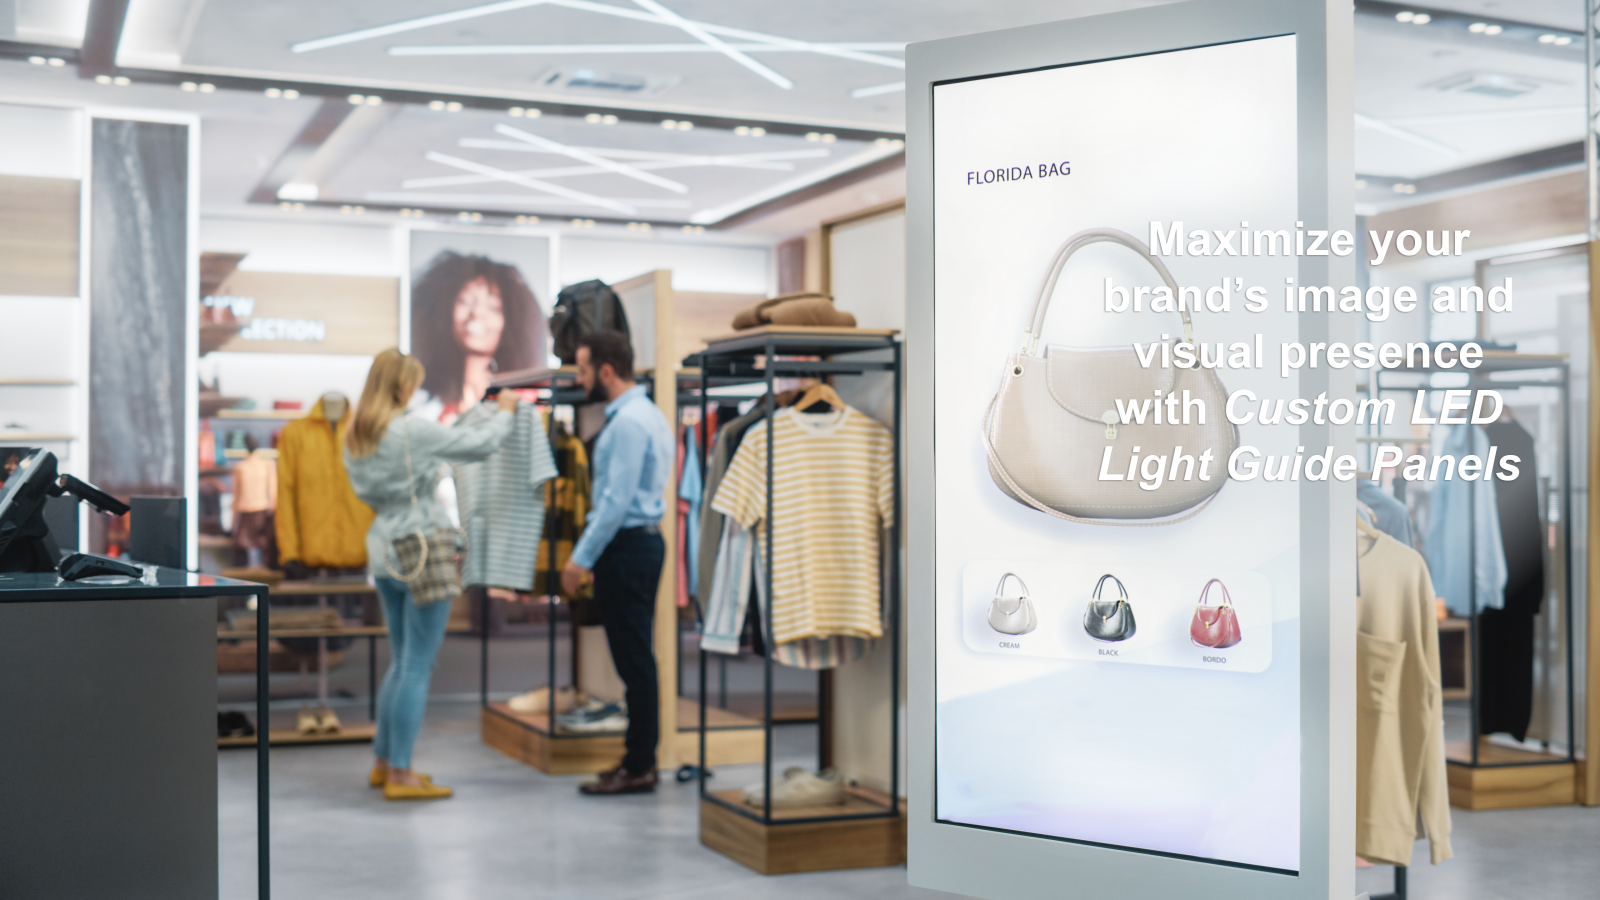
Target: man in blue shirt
(621,544)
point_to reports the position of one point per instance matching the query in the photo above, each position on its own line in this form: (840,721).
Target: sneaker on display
(798,787)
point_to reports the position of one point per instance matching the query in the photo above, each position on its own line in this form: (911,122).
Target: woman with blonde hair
(394,461)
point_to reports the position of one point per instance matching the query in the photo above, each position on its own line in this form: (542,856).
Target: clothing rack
(563,390)
(753,357)
(1477,772)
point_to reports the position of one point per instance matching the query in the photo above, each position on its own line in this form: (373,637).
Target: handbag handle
(1000,588)
(1101,583)
(1030,338)
(1226,597)
(411,479)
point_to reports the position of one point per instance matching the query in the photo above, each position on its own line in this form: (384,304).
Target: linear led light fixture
(591,158)
(536,184)
(893,87)
(694,30)
(645,162)
(605,49)
(602,9)
(1404,135)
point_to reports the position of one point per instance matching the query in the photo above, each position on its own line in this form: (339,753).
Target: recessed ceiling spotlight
(357,99)
(685,126)
(694,229)
(37,60)
(57,61)
(592,118)
(1405,189)
(1405,16)
(897,143)
(881,142)
(122,81)
(436,104)
(347,210)
(291,94)
(742,131)
(757,132)
(206,88)
(191,86)
(299,206)
(374,100)
(669,124)
(285,205)
(1361,184)
(516,111)
(1547,39)
(452,106)
(1477,27)
(608,119)
(813,136)
(1421,19)
(274,93)
(1492,29)
(828,138)
(361,210)
(1562,41)
(527,220)
(102,79)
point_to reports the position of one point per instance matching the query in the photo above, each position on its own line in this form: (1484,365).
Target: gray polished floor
(512,832)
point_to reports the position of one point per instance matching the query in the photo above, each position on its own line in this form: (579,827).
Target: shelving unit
(869,828)
(1482,774)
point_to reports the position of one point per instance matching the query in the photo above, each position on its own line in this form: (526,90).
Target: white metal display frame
(997,864)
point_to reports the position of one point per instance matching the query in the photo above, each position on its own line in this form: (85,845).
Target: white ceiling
(1409,127)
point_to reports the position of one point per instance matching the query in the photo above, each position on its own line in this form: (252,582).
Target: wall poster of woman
(475,311)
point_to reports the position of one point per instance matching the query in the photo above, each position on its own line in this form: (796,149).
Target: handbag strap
(1101,583)
(1000,588)
(1000,468)
(411,479)
(1227,599)
(1030,338)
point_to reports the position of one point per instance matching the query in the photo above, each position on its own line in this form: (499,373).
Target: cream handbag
(1052,419)
(1011,615)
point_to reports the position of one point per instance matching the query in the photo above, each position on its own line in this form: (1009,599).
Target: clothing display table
(110,774)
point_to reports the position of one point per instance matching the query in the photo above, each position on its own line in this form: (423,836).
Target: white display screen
(1168,722)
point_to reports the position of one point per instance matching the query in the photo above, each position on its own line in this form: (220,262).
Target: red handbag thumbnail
(1215,626)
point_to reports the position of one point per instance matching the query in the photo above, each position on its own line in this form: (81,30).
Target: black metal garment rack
(759,358)
(563,390)
(1409,380)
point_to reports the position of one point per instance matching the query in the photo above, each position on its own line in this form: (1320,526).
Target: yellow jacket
(320,520)
(1401,793)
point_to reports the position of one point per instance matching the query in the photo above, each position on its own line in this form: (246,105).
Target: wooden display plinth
(786,847)
(348,734)
(730,739)
(1500,786)
(525,737)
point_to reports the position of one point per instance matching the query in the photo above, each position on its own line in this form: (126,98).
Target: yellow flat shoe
(377,777)
(427,790)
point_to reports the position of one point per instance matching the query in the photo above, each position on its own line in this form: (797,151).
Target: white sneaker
(798,787)
(537,701)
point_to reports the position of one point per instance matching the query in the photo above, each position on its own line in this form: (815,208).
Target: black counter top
(158,583)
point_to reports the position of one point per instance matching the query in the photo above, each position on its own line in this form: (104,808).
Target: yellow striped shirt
(833,480)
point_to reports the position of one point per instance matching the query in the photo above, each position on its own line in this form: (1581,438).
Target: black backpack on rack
(585,308)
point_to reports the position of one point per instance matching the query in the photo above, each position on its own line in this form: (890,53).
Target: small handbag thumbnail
(1013,615)
(1109,620)
(1215,626)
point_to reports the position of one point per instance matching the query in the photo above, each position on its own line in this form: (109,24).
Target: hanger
(1364,528)
(821,392)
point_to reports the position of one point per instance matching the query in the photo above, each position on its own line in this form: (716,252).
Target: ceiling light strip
(893,87)
(694,30)
(585,49)
(591,159)
(413,24)
(536,184)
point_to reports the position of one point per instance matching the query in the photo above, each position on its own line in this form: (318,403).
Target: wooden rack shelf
(37,382)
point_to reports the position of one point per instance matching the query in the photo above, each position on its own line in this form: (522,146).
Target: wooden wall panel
(38,236)
(1525,211)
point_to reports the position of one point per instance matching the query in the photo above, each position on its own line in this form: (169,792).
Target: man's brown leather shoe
(618,781)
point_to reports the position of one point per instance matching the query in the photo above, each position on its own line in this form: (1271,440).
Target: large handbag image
(1215,626)
(1014,615)
(1109,620)
(1053,417)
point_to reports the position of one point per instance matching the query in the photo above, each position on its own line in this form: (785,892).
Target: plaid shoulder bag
(429,561)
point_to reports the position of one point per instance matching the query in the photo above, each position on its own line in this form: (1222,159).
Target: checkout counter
(108,751)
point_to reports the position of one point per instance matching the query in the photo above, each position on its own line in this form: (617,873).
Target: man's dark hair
(609,347)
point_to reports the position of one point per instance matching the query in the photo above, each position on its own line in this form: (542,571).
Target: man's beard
(597,393)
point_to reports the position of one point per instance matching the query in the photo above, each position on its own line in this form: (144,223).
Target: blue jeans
(415,633)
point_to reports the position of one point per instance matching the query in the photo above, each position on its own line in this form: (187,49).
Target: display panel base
(784,848)
(288,737)
(1511,787)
